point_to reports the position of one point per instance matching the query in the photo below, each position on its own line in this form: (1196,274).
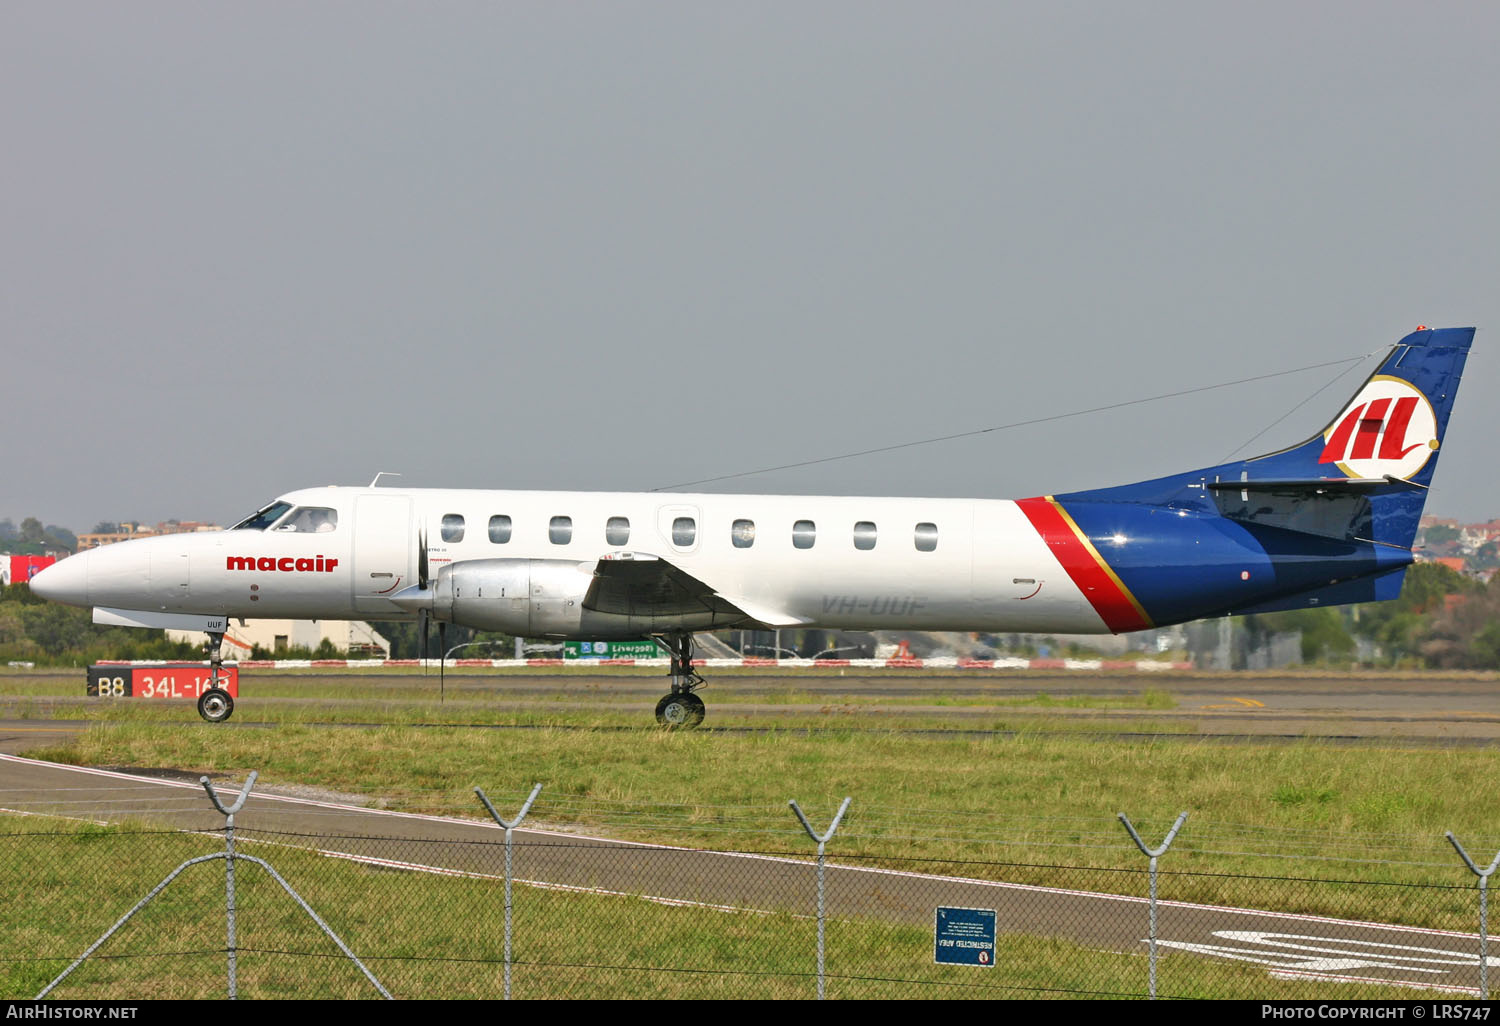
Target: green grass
(428,936)
(1275,824)
(1371,815)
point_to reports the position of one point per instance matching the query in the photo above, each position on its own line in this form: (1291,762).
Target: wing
(640,585)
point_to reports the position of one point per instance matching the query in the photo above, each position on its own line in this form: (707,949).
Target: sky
(247,248)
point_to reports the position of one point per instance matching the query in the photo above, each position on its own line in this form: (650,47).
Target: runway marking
(54,815)
(1282,952)
(1244,703)
(1294,974)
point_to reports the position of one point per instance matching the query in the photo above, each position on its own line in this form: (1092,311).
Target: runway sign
(169,680)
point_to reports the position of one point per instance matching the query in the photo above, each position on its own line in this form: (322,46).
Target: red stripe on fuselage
(1106,593)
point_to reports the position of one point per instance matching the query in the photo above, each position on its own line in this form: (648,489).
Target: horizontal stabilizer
(1333,508)
(1321,486)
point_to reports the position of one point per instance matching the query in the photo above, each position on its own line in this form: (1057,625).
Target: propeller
(423,617)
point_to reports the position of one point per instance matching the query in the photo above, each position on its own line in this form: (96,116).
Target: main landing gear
(216,704)
(681,709)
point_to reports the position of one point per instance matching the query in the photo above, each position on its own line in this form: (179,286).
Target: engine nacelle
(525,597)
(545,599)
(538,598)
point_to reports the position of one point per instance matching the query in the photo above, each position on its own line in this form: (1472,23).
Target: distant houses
(1470,549)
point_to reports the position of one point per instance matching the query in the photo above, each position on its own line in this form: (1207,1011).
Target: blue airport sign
(964,936)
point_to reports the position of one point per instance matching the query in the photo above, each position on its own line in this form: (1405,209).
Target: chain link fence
(328,914)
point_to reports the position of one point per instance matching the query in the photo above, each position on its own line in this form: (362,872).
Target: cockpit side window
(263,518)
(311,520)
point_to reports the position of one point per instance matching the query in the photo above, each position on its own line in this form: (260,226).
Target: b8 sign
(169,680)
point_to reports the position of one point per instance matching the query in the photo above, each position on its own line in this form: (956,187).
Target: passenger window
(684,532)
(311,520)
(499,529)
(742,534)
(453,527)
(804,533)
(926,537)
(560,530)
(864,535)
(617,531)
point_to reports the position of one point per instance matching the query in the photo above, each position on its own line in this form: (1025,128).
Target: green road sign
(611,650)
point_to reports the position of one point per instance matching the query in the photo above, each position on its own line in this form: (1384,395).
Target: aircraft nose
(66,581)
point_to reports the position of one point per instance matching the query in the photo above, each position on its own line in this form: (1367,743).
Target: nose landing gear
(216,704)
(681,710)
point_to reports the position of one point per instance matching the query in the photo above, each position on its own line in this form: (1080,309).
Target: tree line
(33,538)
(1442,621)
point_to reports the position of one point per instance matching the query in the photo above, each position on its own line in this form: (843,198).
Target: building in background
(19,569)
(130,529)
(357,638)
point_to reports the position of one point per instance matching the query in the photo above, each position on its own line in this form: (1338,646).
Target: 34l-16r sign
(169,680)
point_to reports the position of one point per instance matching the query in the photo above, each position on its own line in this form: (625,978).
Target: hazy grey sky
(248,248)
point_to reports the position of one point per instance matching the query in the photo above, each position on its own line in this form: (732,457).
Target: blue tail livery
(1329,521)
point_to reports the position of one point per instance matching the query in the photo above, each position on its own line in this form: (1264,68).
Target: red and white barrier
(940,663)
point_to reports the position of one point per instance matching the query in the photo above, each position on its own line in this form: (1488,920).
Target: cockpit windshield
(263,518)
(311,520)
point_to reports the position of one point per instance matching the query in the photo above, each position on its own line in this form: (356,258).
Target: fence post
(821,841)
(229,858)
(508,828)
(1484,938)
(1154,854)
(229,926)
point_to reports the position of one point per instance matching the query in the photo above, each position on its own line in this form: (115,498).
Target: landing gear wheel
(216,705)
(681,711)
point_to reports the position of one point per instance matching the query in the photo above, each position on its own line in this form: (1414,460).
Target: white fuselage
(937,564)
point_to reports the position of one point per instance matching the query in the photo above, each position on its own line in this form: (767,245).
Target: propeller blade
(442,656)
(424,623)
(422,577)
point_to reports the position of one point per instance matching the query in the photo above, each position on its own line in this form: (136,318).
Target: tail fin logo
(1389,428)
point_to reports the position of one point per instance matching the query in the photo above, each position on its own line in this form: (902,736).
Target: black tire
(682,711)
(216,705)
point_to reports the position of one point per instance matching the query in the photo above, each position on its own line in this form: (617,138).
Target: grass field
(427,936)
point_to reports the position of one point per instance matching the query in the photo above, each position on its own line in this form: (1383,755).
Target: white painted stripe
(1447,988)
